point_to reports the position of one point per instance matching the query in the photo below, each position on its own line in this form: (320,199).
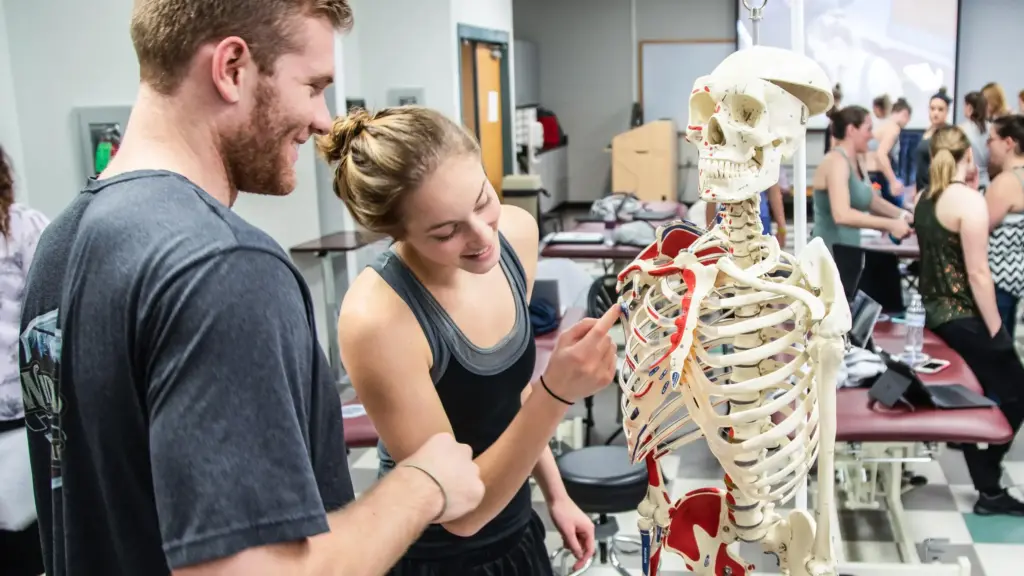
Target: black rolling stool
(601,296)
(601,481)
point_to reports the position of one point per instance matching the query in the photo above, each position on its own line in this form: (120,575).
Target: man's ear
(230,64)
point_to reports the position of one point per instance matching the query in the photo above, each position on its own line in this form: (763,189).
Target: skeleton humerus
(732,340)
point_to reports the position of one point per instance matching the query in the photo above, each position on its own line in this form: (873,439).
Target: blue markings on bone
(636,412)
(664,389)
(625,310)
(645,551)
(663,374)
(675,378)
(652,372)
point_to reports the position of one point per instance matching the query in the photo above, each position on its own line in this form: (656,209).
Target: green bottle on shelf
(104,152)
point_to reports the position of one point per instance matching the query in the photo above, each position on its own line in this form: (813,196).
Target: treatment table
(873,443)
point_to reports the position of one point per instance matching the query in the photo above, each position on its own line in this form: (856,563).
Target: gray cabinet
(553,168)
(527,73)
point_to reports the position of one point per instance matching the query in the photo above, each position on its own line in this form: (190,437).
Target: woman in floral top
(951,221)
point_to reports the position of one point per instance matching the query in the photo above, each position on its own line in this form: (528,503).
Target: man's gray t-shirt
(178,404)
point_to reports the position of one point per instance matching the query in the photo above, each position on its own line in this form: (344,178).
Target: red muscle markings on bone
(709,490)
(703,510)
(667,270)
(676,241)
(655,562)
(726,560)
(653,477)
(691,282)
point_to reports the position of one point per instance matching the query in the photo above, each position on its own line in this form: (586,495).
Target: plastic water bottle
(610,222)
(914,344)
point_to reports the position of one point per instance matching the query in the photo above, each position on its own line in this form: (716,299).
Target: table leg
(331,311)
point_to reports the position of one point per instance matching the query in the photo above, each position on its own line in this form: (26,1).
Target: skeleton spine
(742,223)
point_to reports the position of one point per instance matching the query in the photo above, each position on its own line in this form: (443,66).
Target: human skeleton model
(731,339)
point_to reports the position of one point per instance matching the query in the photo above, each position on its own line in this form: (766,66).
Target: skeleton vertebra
(733,340)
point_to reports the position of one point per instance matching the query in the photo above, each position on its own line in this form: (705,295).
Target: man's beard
(254,156)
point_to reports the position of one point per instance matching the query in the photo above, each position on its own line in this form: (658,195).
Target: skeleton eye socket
(744,109)
(702,106)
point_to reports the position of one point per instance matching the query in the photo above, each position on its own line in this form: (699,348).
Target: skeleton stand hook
(755,19)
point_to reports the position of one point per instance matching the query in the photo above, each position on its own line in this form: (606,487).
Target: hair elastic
(553,395)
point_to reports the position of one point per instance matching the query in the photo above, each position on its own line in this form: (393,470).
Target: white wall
(987,49)
(10,136)
(585,56)
(72,53)
(403,44)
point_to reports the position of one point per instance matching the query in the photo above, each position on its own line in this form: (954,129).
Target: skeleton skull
(748,115)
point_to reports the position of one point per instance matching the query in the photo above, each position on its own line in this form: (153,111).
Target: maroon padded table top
(908,248)
(359,431)
(600,251)
(859,421)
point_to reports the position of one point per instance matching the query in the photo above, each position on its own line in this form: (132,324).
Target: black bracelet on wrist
(553,395)
(444,496)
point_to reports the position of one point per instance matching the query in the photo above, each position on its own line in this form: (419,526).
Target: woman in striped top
(1005,199)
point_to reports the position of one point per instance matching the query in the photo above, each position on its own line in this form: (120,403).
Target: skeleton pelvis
(698,532)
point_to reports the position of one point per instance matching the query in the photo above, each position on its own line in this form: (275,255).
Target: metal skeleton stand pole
(755,19)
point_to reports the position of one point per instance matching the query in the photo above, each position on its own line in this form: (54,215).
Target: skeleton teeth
(714,168)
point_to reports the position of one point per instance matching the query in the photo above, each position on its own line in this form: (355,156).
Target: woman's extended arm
(837,182)
(546,471)
(778,212)
(882,207)
(999,199)
(974,222)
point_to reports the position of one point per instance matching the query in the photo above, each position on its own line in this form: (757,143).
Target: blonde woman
(952,224)
(996,98)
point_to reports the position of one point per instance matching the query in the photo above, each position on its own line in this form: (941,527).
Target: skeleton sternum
(742,223)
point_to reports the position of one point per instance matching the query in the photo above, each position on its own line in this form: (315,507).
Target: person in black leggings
(436,337)
(960,301)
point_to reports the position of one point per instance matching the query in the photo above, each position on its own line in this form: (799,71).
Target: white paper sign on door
(492,107)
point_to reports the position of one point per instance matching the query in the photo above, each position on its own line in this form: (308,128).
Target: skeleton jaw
(727,181)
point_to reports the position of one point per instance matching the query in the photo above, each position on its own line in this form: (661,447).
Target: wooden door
(489,114)
(467,61)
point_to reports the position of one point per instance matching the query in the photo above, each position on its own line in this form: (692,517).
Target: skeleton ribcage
(763,427)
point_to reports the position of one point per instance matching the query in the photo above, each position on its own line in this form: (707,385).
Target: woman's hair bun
(334,145)
(944,91)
